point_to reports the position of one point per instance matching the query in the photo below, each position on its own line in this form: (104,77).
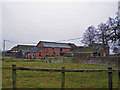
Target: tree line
(104,34)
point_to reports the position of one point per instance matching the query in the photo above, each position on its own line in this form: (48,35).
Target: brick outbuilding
(44,48)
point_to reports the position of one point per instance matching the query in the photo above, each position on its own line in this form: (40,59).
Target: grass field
(38,79)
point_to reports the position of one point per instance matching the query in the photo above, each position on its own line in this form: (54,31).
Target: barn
(44,49)
(21,50)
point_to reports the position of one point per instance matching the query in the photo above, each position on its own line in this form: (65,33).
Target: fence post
(63,77)
(119,80)
(14,75)
(110,78)
(118,74)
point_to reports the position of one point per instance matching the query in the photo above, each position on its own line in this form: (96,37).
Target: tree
(89,36)
(115,50)
(107,33)
(103,33)
(114,25)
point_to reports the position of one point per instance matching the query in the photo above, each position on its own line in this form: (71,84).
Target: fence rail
(59,70)
(62,70)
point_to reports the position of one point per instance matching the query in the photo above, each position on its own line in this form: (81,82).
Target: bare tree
(89,36)
(103,33)
(106,33)
(114,25)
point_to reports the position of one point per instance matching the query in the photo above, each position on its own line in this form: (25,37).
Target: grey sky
(52,21)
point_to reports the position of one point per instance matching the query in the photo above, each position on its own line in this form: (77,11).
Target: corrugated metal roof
(35,49)
(55,44)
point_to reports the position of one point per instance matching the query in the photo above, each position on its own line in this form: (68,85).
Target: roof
(72,45)
(25,47)
(35,49)
(87,49)
(93,48)
(55,44)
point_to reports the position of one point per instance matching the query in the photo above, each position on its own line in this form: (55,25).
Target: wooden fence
(62,70)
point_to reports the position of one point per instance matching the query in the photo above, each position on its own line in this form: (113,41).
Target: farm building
(96,50)
(44,48)
(93,50)
(21,50)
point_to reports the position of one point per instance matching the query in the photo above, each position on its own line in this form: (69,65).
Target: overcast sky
(30,22)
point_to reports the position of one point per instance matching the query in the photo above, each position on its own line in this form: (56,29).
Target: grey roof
(25,47)
(35,49)
(55,44)
(93,48)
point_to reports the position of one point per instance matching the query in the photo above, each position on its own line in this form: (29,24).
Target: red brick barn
(44,48)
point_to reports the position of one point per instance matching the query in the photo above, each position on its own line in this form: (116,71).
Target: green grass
(38,79)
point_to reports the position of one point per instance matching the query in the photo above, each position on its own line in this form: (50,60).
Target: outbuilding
(44,49)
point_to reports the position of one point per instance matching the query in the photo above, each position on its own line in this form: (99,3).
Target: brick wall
(50,51)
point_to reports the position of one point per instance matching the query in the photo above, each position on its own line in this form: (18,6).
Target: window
(53,53)
(98,54)
(33,55)
(60,49)
(52,48)
(39,53)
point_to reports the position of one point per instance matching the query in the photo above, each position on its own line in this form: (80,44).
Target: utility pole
(119,10)
(4,46)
